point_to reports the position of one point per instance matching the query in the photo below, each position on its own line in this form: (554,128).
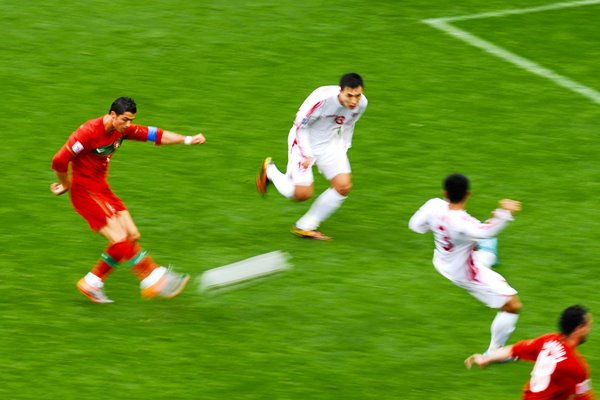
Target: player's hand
(510,205)
(475,359)
(198,139)
(58,188)
(307,162)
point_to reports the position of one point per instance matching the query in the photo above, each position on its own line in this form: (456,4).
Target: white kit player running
(465,251)
(321,136)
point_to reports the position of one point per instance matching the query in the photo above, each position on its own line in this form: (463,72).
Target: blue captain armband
(152,133)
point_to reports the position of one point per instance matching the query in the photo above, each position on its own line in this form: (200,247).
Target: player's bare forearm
(483,361)
(176,138)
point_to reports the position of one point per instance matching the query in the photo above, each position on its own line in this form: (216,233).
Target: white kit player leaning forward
(466,249)
(321,136)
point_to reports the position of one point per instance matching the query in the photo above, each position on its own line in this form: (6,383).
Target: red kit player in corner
(89,150)
(560,372)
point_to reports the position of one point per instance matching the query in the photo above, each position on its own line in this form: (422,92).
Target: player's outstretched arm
(483,361)
(176,138)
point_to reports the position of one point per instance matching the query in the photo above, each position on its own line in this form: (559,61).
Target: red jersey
(91,148)
(560,372)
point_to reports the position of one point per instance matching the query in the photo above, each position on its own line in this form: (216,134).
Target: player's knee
(118,237)
(114,232)
(303,193)
(135,236)
(344,189)
(513,306)
(342,184)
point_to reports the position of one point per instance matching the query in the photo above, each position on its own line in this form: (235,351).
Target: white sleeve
(490,228)
(419,222)
(304,119)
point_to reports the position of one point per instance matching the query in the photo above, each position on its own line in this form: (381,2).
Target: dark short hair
(351,80)
(123,105)
(456,187)
(572,318)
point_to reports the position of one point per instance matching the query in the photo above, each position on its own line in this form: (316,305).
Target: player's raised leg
(270,174)
(262,181)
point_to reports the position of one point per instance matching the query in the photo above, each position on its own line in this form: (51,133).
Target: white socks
(93,280)
(155,276)
(282,182)
(503,325)
(329,201)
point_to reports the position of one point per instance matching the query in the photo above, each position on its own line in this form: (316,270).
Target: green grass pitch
(363,317)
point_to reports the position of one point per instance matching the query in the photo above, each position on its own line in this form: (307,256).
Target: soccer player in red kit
(88,151)
(560,372)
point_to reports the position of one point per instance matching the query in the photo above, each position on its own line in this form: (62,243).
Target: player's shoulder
(90,127)
(434,206)
(363,102)
(328,89)
(318,99)
(436,202)
(545,340)
(324,93)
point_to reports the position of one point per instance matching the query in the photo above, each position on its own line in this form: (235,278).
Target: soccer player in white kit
(321,136)
(465,251)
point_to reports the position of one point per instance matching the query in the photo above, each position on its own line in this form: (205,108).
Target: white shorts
(486,285)
(331,161)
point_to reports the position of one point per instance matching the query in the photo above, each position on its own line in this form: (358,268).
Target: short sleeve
(144,133)
(528,349)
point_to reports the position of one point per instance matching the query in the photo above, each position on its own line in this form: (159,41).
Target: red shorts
(95,203)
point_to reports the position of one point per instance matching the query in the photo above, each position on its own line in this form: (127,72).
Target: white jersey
(456,234)
(323,123)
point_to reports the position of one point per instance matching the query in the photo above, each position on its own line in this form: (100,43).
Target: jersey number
(551,354)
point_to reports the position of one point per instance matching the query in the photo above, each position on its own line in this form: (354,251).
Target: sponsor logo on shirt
(77,147)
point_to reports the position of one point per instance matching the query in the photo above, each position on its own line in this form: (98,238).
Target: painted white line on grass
(522,62)
(502,13)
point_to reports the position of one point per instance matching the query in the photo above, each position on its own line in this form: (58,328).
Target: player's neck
(456,206)
(108,126)
(572,341)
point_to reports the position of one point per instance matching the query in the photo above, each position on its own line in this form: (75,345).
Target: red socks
(130,254)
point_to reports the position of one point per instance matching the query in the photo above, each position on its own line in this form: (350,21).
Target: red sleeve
(61,160)
(144,133)
(528,349)
(79,142)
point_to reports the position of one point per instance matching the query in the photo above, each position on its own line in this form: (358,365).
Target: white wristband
(188,140)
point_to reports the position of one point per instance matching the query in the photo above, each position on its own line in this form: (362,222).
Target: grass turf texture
(362,317)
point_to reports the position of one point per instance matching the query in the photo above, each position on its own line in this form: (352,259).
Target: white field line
(444,25)
(502,13)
